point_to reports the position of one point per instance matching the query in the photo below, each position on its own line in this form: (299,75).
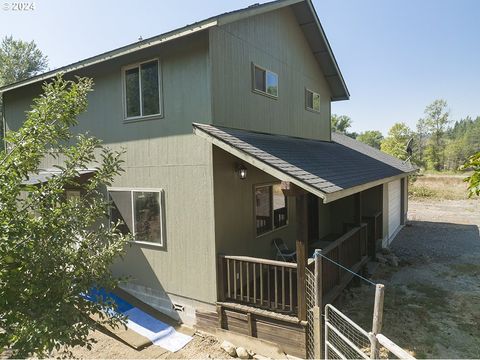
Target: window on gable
(271,210)
(265,81)
(141,214)
(142,90)
(312,100)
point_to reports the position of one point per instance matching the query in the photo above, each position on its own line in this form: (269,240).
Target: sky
(396,56)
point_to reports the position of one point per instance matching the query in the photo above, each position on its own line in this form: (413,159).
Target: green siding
(160,153)
(235,231)
(275,41)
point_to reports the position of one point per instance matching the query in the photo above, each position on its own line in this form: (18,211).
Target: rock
(242,353)
(229,348)
(260,357)
(393,260)
(381,259)
(386,251)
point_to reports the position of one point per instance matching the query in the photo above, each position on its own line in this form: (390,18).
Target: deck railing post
(377,320)
(220,278)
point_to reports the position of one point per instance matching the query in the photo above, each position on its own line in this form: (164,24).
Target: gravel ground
(432,301)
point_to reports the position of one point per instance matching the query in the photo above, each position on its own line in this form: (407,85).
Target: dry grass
(439,186)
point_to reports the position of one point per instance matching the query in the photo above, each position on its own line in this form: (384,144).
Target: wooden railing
(375,229)
(263,283)
(350,251)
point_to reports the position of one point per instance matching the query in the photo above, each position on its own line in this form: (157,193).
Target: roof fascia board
(257,163)
(116,53)
(330,52)
(254,10)
(350,191)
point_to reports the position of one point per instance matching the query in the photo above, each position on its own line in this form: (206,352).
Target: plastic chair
(283,252)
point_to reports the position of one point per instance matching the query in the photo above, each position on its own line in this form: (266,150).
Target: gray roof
(328,167)
(43,175)
(304,12)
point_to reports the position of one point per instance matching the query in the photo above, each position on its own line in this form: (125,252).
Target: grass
(438,186)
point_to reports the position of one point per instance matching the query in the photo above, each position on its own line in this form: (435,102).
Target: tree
(340,123)
(473,163)
(20,60)
(371,137)
(396,141)
(435,122)
(53,249)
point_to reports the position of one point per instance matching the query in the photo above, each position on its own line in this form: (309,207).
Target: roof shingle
(327,166)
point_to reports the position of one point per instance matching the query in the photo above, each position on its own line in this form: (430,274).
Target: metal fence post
(377,320)
(317,310)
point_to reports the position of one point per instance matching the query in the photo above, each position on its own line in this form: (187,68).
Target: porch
(313,195)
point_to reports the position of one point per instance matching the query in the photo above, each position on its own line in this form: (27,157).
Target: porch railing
(375,229)
(263,283)
(350,251)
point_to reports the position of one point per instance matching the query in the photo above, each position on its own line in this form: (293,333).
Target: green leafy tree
(373,138)
(396,141)
(473,163)
(436,122)
(53,249)
(19,60)
(341,123)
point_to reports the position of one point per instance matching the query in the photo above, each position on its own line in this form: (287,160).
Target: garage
(394,208)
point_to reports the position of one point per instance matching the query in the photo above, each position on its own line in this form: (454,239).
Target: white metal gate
(343,338)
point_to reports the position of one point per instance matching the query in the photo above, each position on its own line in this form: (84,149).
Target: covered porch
(311,195)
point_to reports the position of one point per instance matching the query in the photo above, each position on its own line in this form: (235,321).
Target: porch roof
(328,169)
(44,175)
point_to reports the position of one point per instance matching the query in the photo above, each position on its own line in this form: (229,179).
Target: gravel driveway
(432,300)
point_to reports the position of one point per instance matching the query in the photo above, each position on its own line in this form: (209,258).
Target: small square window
(265,81)
(312,100)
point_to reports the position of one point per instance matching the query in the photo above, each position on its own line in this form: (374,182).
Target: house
(226,126)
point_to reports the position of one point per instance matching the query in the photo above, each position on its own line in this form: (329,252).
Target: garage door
(394,207)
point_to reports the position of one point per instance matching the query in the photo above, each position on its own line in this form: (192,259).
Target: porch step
(261,312)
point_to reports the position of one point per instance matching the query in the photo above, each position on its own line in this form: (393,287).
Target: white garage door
(394,207)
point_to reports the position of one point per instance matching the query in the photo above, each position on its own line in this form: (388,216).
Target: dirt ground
(202,346)
(432,300)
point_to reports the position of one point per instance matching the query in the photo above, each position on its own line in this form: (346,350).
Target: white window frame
(161,192)
(124,92)
(261,92)
(270,184)
(307,90)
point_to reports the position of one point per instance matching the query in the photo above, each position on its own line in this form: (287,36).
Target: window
(312,100)
(265,81)
(142,90)
(141,214)
(270,208)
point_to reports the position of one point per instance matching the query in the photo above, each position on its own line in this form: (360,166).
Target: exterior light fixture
(242,172)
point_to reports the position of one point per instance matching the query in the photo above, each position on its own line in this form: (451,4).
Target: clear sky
(397,56)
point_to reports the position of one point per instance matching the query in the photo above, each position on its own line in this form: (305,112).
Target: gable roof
(330,170)
(303,10)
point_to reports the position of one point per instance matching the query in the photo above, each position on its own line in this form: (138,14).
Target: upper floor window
(142,89)
(312,100)
(265,81)
(270,208)
(141,213)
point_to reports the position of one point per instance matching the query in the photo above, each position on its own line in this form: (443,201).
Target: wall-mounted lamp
(241,171)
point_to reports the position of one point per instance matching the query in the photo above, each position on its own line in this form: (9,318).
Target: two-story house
(230,164)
